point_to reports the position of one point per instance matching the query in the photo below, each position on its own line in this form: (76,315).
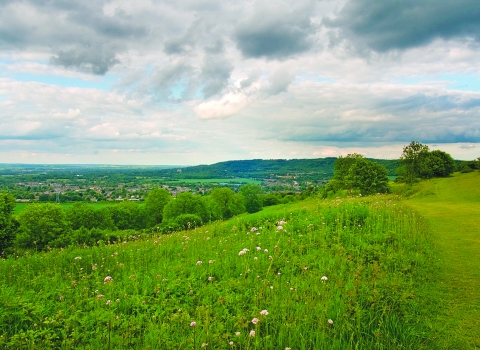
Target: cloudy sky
(202,81)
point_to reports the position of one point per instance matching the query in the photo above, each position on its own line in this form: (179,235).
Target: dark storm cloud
(388,25)
(77,33)
(275,33)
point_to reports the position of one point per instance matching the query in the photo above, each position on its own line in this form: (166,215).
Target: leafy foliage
(354,172)
(42,224)
(8,224)
(253,197)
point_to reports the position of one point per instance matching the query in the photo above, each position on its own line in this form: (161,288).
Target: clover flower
(330,321)
(264,312)
(193,324)
(199,262)
(252,333)
(237,334)
(324,278)
(255,320)
(279,228)
(253,229)
(107,279)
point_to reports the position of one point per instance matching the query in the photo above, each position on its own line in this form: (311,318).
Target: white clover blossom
(199,262)
(107,279)
(324,278)
(281,222)
(252,333)
(279,228)
(78,258)
(255,320)
(253,229)
(330,321)
(237,334)
(193,324)
(258,248)
(264,312)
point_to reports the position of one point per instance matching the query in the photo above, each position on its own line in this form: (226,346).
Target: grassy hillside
(452,209)
(319,274)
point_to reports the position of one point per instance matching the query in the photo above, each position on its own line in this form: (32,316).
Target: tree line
(43,225)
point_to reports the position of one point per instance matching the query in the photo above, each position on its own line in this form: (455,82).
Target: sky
(191,82)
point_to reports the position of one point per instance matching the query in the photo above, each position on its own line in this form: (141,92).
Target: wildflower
(279,228)
(243,251)
(107,279)
(330,321)
(253,229)
(62,298)
(230,343)
(270,257)
(266,250)
(204,345)
(210,278)
(199,262)
(252,333)
(78,258)
(288,348)
(100,296)
(255,258)
(281,222)
(264,312)
(324,278)
(117,300)
(255,320)
(193,324)
(108,302)
(258,248)
(211,261)
(237,334)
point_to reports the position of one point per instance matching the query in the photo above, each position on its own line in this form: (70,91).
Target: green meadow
(380,272)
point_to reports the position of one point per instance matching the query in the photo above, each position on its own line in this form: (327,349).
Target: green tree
(253,197)
(368,177)
(127,215)
(436,164)
(354,172)
(225,203)
(186,203)
(411,157)
(42,223)
(155,202)
(341,167)
(85,215)
(8,224)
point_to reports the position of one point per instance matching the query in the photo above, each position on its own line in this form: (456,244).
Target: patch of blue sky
(101,83)
(463,82)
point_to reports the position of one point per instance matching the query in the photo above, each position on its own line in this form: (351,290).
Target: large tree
(411,157)
(253,197)
(155,202)
(368,177)
(225,203)
(354,172)
(8,224)
(42,224)
(186,203)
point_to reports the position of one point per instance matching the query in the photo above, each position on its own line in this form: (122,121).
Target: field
(208,181)
(378,272)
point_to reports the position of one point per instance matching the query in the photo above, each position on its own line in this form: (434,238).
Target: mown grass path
(451,206)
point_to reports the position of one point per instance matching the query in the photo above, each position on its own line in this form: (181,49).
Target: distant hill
(264,168)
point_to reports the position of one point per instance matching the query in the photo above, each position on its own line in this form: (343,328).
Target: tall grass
(341,274)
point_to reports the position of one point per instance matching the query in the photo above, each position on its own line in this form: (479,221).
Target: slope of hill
(318,274)
(264,168)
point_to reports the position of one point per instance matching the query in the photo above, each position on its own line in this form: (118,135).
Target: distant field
(230,180)
(21,206)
